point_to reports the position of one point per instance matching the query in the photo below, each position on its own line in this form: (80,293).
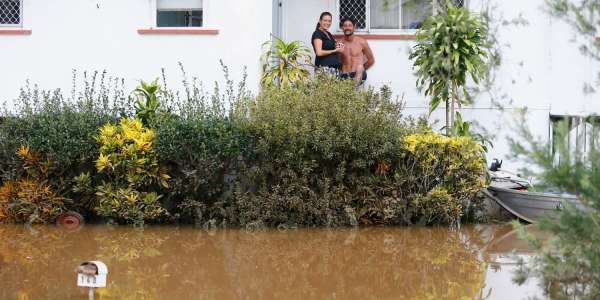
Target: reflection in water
(186,263)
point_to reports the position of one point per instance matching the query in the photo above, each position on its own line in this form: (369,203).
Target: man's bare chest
(353,49)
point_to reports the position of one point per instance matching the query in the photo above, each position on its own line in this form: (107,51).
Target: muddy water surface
(185,263)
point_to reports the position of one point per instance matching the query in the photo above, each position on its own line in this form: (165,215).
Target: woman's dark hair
(323,14)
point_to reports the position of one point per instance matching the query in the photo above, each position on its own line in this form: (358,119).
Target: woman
(325,46)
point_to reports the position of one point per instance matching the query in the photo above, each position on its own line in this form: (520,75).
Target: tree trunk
(452,104)
(455,99)
(447,117)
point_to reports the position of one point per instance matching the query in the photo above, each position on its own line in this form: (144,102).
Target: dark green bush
(201,154)
(320,154)
(65,136)
(201,141)
(60,128)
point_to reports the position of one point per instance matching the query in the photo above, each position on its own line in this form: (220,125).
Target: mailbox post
(92,274)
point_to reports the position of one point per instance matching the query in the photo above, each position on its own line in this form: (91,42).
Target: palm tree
(285,64)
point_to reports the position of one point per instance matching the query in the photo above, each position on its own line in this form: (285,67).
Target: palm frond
(284,64)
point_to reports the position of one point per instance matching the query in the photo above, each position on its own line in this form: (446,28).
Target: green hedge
(320,154)
(62,130)
(316,149)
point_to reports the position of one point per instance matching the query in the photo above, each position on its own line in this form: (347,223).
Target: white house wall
(102,35)
(542,70)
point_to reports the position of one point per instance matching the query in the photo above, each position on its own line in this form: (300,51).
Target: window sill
(166,30)
(383,36)
(16,31)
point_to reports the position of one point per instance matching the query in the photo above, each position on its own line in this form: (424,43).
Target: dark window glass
(459,3)
(179,18)
(10,12)
(443,3)
(355,9)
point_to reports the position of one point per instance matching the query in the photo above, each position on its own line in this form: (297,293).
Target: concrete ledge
(6,31)
(164,30)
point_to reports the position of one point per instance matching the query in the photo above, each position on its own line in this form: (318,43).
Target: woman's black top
(330,60)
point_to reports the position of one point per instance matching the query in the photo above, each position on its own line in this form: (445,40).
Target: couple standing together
(348,58)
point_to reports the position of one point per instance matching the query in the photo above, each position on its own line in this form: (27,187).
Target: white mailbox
(92,274)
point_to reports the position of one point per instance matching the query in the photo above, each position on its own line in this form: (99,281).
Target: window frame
(20,25)
(368,28)
(155,16)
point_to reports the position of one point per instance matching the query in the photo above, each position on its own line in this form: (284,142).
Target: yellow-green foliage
(132,170)
(29,198)
(285,64)
(315,148)
(445,172)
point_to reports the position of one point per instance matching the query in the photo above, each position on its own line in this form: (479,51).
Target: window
(389,14)
(179,13)
(10,13)
(581,136)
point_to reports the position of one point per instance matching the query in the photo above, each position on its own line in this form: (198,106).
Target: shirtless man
(356,55)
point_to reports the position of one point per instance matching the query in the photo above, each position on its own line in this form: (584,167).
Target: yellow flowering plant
(442,175)
(29,197)
(132,172)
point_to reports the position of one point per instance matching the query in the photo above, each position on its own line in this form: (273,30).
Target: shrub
(202,155)
(201,142)
(326,155)
(442,175)
(318,154)
(66,137)
(316,148)
(28,198)
(62,129)
(132,173)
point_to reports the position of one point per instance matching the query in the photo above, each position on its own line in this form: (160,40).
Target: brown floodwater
(473,262)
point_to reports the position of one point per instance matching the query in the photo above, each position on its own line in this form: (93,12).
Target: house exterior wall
(542,68)
(89,35)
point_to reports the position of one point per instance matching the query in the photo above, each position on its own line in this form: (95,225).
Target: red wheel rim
(70,220)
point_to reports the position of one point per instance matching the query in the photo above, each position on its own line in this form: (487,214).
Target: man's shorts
(351,75)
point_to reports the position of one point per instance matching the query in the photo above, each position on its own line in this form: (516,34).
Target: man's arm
(369,54)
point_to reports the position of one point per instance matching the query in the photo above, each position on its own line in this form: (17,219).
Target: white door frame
(277,29)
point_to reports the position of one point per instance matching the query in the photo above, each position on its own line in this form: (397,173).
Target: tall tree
(451,47)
